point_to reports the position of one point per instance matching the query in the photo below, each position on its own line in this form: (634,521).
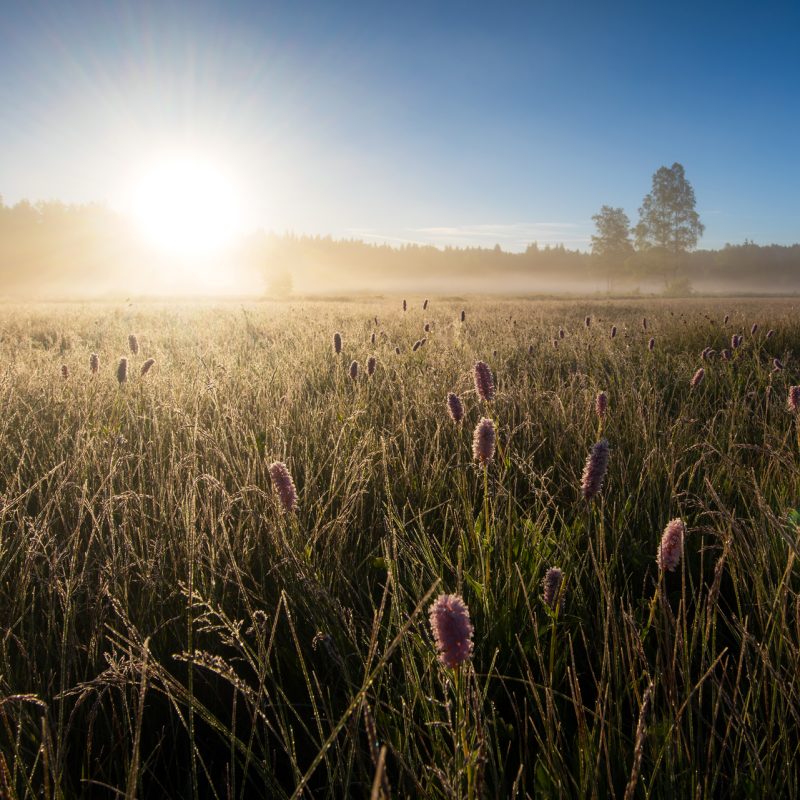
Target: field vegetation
(169,629)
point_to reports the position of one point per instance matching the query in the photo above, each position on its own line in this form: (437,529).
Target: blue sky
(451,123)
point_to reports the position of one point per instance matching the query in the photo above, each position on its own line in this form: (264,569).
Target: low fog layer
(51,250)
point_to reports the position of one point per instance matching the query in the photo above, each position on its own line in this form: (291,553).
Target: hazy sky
(454,123)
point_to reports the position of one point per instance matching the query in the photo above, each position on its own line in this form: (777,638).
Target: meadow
(169,629)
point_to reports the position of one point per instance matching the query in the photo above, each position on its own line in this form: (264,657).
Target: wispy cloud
(511,236)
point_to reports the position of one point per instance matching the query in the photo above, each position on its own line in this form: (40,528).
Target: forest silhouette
(52,249)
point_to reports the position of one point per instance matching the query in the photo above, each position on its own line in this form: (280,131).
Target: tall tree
(667,218)
(611,245)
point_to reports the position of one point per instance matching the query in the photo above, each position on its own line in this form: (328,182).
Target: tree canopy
(668,218)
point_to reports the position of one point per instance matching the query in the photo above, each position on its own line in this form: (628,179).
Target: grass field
(168,630)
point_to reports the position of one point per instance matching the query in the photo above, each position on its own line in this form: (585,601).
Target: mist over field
(53,251)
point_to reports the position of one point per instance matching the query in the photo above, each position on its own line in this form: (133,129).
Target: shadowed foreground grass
(167,630)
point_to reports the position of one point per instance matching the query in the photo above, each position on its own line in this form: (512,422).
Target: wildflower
(588,322)
(725,321)
(726,354)
(427,327)
(644,323)
(133,344)
(147,365)
(651,345)
(594,471)
(372,338)
(94,363)
(754,329)
(64,371)
(483,441)
(793,400)
(697,378)
(455,407)
(601,404)
(452,629)
(284,485)
(484,382)
(425,306)
(770,333)
(671,547)
(560,333)
(613,331)
(552,588)
(354,369)
(405,305)
(337,343)
(397,351)
(122,371)
(463,314)
(777,365)
(372,362)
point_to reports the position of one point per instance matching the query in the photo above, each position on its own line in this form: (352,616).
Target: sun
(186,206)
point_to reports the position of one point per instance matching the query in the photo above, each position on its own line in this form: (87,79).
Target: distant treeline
(56,249)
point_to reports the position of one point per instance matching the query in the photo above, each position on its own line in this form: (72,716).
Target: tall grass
(168,630)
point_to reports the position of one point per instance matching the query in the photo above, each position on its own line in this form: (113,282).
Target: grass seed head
(147,366)
(133,344)
(337,343)
(94,363)
(122,371)
(372,362)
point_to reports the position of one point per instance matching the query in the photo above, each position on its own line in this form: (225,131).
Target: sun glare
(186,206)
